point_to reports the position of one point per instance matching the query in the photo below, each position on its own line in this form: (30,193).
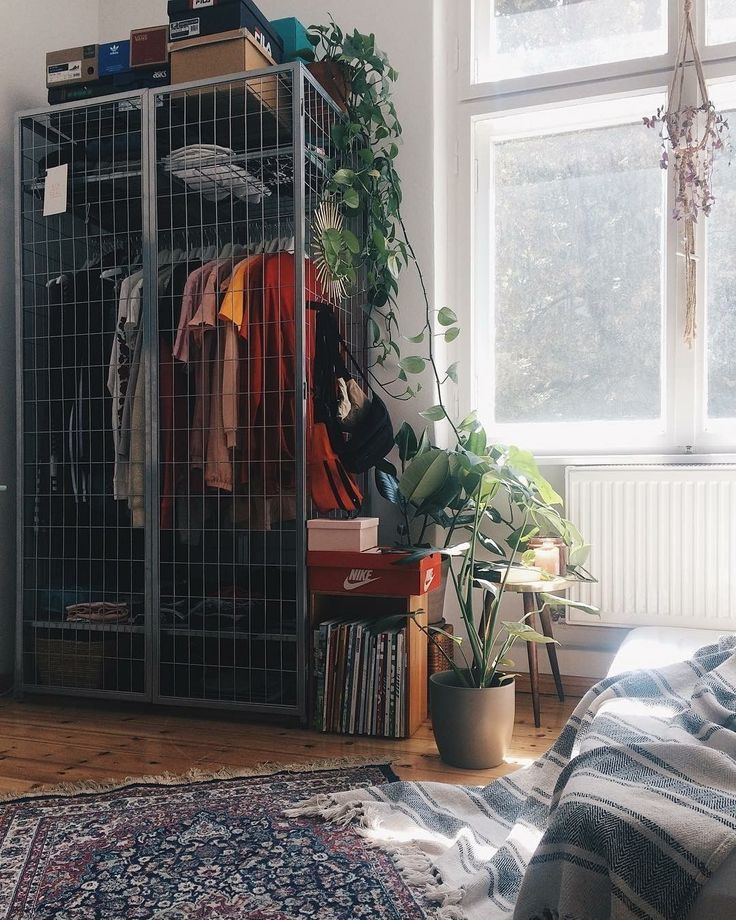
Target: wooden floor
(47,741)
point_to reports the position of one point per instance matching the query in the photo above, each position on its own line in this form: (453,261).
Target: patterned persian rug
(208,849)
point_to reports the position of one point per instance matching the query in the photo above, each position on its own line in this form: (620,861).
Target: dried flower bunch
(691,136)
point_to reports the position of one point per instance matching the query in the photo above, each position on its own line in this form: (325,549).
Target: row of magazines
(361,677)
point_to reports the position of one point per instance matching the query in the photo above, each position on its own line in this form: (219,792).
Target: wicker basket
(437,661)
(73,663)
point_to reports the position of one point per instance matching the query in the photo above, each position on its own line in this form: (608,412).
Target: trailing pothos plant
(461,490)
(464,487)
(368,139)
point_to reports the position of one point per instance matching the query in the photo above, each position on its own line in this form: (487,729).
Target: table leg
(546,621)
(530,605)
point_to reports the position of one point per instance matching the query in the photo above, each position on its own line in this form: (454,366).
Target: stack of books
(360,678)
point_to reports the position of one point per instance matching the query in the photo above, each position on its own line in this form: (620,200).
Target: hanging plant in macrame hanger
(691,136)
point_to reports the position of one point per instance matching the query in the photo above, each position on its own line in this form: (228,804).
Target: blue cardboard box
(294,36)
(114,57)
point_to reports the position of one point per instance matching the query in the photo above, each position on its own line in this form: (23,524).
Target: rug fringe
(416,868)
(267,768)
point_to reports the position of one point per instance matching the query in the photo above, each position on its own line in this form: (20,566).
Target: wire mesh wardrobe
(164,341)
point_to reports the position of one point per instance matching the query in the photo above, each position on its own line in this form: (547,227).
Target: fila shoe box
(195,18)
(375,573)
(72,65)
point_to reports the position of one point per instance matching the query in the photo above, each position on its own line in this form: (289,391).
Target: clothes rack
(164,391)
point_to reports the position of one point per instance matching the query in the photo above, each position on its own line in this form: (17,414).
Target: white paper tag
(55,192)
(199,4)
(64,73)
(185,28)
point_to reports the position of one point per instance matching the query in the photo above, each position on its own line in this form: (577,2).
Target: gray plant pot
(472,728)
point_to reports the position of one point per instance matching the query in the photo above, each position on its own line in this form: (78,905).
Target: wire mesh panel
(241,165)
(82,528)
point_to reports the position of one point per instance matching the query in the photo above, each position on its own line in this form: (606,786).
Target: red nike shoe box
(374,573)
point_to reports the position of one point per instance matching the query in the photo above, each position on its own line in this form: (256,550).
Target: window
(720,21)
(519,38)
(577,294)
(720,295)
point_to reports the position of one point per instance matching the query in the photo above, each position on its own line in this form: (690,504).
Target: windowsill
(626,459)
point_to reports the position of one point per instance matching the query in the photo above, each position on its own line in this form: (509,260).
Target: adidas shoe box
(72,66)
(197,18)
(114,58)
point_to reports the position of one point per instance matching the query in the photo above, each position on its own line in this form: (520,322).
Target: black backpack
(371,437)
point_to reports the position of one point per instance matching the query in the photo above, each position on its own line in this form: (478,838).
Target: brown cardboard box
(149,47)
(223,54)
(72,65)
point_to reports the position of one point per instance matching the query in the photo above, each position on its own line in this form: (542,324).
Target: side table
(533,607)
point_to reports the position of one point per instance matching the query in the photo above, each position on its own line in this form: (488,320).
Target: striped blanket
(627,816)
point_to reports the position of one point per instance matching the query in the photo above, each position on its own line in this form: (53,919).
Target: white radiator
(663,543)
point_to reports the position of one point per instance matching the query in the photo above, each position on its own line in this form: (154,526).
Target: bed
(631,813)
(655,647)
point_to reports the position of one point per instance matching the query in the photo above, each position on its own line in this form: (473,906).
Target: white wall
(30,29)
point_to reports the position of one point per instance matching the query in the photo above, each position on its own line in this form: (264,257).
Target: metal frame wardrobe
(150,566)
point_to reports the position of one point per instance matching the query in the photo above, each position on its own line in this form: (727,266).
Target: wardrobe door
(231,500)
(82,448)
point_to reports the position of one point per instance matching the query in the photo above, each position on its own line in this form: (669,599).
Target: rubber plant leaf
(425,475)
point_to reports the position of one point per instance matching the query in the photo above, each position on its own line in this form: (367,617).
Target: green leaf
(433,414)
(351,241)
(379,241)
(492,587)
(522,461)
(469,423)
(387,486)
(343,177)
(416,339)
(521,535)
(406,441)
(446,317)
(351,199)
(488,543)
(525,632)
(452,334)
(554,600)
(477,442)
(412,364)
(451,371)
(425,475)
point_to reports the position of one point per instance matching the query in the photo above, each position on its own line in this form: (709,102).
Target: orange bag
(331,486)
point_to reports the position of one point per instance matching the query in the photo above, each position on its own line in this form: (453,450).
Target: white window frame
(687,431)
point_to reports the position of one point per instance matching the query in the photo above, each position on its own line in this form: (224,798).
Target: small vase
(472,727)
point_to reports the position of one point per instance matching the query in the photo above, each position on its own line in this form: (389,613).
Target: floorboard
(46,741)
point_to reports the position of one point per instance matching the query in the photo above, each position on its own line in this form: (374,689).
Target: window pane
(540,36)
(721,22)
(721,292)
(578,276)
